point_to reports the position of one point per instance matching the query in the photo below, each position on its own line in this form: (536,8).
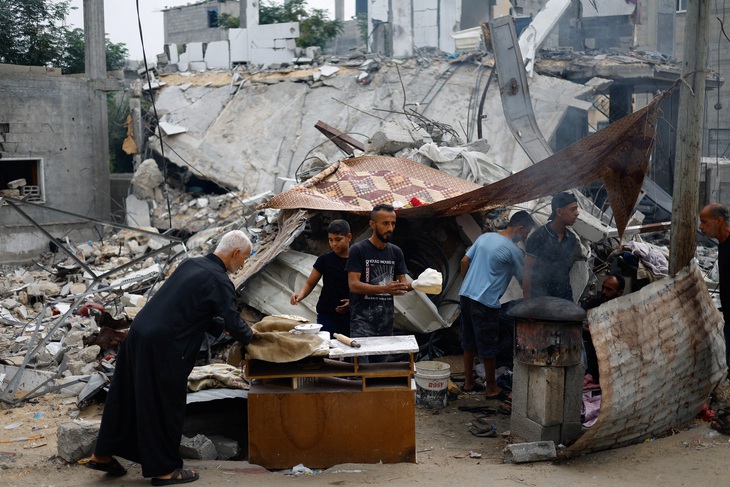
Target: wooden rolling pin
(346,340)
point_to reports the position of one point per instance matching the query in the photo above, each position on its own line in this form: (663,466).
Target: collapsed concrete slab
(264,133)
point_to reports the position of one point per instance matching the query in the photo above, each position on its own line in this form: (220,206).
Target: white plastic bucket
(432,384)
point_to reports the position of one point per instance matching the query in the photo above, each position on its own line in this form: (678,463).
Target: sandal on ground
(506,406)
(112,467)
(179,476)
(483,432)
(478,409)
(477,388)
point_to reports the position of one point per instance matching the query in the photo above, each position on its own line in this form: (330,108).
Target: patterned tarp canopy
(618,155)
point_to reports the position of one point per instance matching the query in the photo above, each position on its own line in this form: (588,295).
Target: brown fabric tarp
(618,155)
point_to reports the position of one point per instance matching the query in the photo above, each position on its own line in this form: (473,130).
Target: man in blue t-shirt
(376,272)
(333,311)
(487,269)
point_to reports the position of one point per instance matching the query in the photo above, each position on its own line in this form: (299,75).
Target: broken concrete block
(77,440)
(89,354)
(313,52)
(199,447)
(137,212)
(536,451)
(226,447)
(17,183)
(22,311)
(394,136)
(75,366)
(78,288)
(73,338)
(133,299)
(147,175)
(136,248)
(74,389)
(202,202)
(328,70)
(89,368)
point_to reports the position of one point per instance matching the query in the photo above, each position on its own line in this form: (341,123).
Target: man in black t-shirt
(333,311)
(551,251)
(376,272)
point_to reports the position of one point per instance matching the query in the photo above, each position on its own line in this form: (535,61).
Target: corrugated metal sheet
(661,353)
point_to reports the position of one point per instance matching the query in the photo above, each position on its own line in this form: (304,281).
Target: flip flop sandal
(179,476)
(487,432)
(478,409)
(483,421)
(113,467)
(506,407)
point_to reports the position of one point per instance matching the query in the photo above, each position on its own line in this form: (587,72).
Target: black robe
(145,407)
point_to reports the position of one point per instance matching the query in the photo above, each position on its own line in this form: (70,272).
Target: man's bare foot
(493,392)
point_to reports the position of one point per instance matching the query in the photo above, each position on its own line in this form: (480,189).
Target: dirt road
(698,456)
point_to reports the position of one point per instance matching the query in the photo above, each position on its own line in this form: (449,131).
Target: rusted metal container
(548,332)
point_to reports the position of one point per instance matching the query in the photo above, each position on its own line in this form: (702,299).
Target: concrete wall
(662,29)
(189,23)
(607,32)
(396,27)
(50,118)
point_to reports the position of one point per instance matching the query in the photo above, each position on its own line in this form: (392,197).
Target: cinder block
(545,395)
(529,430)
(520,374)
(573,395)
(570,431)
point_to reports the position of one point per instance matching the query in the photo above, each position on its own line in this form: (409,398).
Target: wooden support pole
(689,136)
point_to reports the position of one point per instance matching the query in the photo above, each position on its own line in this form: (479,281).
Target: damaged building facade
(54,149)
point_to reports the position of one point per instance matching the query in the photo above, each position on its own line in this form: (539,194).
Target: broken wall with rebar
(46,123)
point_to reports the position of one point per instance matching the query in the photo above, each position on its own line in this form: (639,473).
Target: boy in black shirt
(333,311)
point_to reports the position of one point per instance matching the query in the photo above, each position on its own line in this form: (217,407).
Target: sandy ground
(698,456)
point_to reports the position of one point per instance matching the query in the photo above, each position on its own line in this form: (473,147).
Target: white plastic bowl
(309,327)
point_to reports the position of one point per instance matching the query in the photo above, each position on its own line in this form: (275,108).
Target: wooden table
(325,412)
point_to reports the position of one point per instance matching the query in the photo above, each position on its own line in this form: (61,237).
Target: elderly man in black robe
(145,408)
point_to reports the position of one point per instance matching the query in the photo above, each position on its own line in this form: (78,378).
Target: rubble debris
(77,439)
(536,451)
(199,447)
(225,448)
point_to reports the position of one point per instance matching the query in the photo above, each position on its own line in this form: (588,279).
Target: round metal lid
(548,308)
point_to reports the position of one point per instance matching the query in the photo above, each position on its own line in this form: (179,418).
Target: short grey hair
(233,240)
(719,211)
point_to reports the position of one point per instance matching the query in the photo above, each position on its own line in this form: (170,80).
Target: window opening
(22,178)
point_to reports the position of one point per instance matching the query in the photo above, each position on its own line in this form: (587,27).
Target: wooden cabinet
(326,412)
